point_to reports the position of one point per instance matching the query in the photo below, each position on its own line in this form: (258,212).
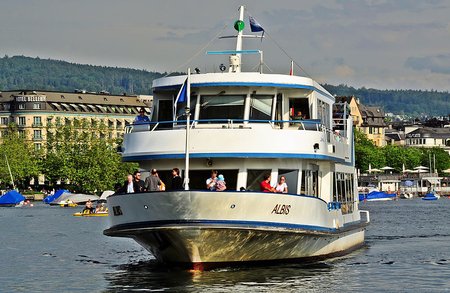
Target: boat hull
(196,231)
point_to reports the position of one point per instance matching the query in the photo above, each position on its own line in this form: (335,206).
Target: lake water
(46,249)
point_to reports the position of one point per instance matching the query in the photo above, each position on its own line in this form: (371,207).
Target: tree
(366,152)
(435,157)
(23,160)
(81,153)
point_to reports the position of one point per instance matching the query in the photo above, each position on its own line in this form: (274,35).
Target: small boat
(377,196)
(431,196)
(98,214)
(12,198)
(67,204)
(75,198)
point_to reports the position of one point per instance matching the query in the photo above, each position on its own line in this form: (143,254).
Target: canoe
(99,214)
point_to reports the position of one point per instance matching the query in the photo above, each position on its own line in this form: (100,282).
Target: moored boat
(247,125)
(431,196)
(12,198)
(97,214)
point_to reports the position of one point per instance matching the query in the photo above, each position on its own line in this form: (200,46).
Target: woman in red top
(265,184)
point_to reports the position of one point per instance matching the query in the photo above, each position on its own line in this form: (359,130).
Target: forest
(20,72)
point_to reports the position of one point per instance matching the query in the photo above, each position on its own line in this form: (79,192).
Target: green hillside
(409,102)
(21,72)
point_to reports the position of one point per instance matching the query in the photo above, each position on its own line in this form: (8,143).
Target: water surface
(46,249)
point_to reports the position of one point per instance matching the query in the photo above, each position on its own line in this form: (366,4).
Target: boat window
(310,183)
(343,191)
(291,179)
(197,178)
(299,108)
(261,107)
(255,177)
(165,110)
(222,107)
(278,109)
(323,113)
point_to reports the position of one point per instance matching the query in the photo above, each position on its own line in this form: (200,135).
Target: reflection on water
(150,275)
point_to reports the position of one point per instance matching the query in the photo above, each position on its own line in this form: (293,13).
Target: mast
(235,60)
(188,115)
(10,173)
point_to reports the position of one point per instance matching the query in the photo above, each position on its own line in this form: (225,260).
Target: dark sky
(397,44)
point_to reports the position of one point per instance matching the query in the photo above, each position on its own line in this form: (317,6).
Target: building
(428,137)
(32,111)
(369,120)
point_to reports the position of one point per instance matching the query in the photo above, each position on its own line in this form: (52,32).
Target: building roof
(428,132)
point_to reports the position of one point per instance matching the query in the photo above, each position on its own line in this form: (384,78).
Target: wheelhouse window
(323,113)
(222,107)
(261,107)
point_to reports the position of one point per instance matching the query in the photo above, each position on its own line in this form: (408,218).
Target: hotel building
(32,111)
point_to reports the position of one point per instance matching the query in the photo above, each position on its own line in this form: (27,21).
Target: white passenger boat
(242,124)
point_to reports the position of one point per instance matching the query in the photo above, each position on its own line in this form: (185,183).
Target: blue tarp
(57,194)
(11,198)
(375,195)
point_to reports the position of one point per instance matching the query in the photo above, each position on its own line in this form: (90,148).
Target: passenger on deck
(299,116)
(220,184)
(282,185)
(152,182)
(141,118)
(211,182)
(177,182)
(139,181)
(265,184)
(130,186)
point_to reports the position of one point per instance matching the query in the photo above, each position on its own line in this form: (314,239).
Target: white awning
(75,107)
(58,106)
(65,106)
(84,107)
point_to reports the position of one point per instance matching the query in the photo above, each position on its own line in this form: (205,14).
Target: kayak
(99,214)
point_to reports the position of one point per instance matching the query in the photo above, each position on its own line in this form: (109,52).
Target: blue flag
(182,94)
(254,25)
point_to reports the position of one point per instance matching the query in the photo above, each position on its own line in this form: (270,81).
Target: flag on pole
(182,94)
(181,98)
(291,71)
(255,26)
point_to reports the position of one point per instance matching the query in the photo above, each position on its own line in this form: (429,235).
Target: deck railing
(307,125)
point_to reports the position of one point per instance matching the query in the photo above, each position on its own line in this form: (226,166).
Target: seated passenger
(89,208)
(220,184)
(265,184)
(299,116)
(211,182)
(281,185)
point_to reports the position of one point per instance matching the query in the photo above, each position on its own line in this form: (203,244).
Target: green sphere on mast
(239,25)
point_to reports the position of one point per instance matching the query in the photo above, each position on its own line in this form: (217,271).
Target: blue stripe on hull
(233,155)
(234,224)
